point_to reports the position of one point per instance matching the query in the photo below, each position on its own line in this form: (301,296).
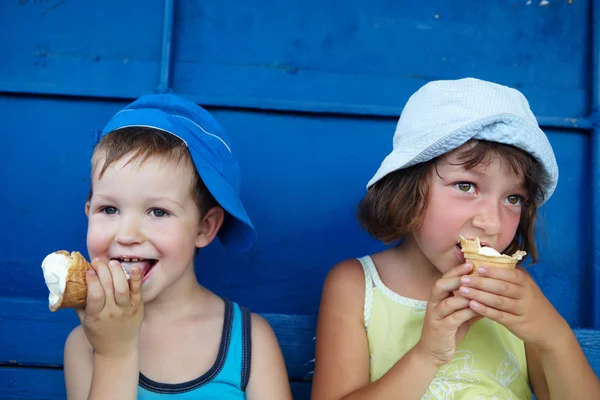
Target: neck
(421,268)
(184,298)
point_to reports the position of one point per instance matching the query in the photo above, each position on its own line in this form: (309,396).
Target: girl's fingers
(448,283)
(121,287)
(95,294)
(498,302)
(501,317)
(516,276)
(491,285)
(135,286)
(456,319)
(449,306)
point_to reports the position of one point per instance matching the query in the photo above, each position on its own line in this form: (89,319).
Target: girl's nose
(487,218)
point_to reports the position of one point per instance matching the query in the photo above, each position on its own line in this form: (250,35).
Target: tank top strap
(238,359)
(370,276)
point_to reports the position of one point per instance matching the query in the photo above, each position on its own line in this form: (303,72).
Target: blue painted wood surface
(31,354)
(302,177)
(341,56)
(310,92)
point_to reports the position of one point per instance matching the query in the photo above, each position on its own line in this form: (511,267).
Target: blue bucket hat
(210,150)
(443,115)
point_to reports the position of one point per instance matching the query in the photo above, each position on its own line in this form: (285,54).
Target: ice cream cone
(472,252)
(75,289)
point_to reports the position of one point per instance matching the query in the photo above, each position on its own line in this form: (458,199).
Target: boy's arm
(268,376)
(78,360)
(562,371)
(88,376)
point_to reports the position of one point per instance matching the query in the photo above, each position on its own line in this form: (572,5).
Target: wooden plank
(346,57)
(48,384)
(31,335)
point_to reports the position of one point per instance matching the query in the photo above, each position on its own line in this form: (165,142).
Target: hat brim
(237,232)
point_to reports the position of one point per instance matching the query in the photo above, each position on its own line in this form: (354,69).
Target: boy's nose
(487,218)
(128,232)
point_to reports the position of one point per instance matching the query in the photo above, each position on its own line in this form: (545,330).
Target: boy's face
(145,211)
(483,202)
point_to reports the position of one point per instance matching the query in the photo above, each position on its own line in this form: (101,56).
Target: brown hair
(144,143)
(395,205)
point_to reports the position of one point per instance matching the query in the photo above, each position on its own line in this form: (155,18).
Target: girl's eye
(157,212)
(514,199)
(465,187)
(109,210)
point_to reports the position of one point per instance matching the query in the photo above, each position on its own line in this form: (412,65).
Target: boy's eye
(109,210)
(157,212)
(514,199)
(464,186)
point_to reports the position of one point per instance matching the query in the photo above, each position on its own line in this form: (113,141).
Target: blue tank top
(226,379)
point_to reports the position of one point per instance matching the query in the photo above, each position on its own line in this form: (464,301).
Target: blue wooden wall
(309,91)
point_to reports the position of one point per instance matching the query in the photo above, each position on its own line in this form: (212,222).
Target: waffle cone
(75,293)
(471,248)
(479,260)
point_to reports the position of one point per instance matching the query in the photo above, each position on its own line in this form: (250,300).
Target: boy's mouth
(145,264)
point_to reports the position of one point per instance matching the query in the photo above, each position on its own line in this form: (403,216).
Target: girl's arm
(558,367)
(342,350)
(268,376)
(561,371)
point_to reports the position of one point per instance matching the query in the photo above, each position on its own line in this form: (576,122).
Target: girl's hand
(447,319)
(113,316)
(511,298)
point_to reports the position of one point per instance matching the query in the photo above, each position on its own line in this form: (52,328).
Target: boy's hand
(511,298)
(113,316)
(447,319)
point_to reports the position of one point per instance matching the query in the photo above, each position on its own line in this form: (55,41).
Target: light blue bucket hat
(443,115)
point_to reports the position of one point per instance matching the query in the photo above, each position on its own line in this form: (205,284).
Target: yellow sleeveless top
(489,364)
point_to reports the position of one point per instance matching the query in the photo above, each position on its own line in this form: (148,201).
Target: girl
(165,183)
(411,322)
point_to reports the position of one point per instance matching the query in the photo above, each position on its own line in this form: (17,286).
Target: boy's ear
(209,226)
(87,208)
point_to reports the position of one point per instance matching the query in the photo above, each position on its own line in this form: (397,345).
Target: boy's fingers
(105,279)
(95,294)
(135,285)
(121,287)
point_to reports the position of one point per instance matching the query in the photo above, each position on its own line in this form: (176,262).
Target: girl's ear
(87,208)
(209,226)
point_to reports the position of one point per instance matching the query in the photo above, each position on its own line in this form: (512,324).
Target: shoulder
(268,375)
(344,287)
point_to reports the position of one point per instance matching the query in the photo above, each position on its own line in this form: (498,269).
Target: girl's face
(144,214)
(482,202)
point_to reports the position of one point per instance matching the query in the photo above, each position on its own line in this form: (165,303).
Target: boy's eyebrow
(151,199)
(161,198)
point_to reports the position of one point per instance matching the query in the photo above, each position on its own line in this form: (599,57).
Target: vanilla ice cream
(489,251)
(55,267)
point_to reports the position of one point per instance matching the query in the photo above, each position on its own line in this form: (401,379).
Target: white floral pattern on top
(458,375)
(455,375)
